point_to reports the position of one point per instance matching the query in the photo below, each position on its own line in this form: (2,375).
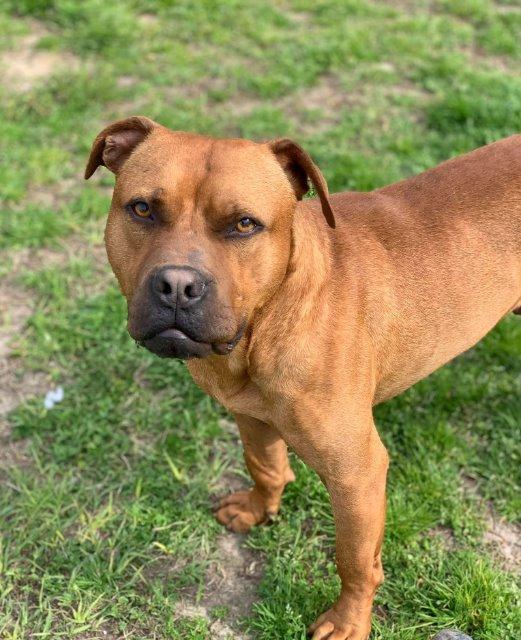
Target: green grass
(107,524)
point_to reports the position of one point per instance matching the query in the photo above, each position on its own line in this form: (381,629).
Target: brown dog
(299,316)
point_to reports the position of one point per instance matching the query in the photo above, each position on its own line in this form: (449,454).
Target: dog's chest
(233,388)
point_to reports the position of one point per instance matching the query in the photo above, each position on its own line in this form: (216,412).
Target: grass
(106,525)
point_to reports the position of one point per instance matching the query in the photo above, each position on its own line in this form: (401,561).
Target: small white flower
(52,397)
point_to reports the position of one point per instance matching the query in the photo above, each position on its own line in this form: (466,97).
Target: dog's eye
(245,225)
(141,209)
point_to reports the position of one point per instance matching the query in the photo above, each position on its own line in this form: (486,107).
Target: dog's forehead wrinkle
(234,155)
(238,178)
(207,168)
(200,166)
(209,158)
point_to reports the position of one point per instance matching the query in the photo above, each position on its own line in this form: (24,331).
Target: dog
(299,315)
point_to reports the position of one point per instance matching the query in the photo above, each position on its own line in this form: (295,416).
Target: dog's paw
(331,626)
(241,511)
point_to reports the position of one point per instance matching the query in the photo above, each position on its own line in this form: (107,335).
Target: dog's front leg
(266,457)
(352,462)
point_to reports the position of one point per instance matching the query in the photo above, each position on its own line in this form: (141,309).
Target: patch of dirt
(326,95)
(69,248)
(48,196)
(479,57)
(231,582)
(107,631)
(199,88)
(241,105)
(412,7)
(219,630)
(25,64)
(507,8)
(313,109)
(330,98)
(503,537)
(300,18)
(148,19)
(126,81)
(327,98)
(56,194)
(16,306)
(445,534)
(75,246)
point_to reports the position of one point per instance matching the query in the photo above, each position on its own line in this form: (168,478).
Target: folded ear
(116,142)
(300,169)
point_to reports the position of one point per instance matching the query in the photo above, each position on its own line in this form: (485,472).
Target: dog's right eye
(140,209)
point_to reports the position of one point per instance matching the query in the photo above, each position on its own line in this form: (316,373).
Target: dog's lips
(175,334)
(174,343)
(222,348)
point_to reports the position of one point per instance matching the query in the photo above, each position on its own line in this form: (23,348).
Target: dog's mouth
(175,343)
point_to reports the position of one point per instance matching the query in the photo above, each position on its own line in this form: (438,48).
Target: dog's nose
(179,287)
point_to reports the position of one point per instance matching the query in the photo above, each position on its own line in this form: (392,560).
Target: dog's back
(438,258)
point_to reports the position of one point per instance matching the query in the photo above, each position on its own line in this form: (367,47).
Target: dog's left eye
(245,225)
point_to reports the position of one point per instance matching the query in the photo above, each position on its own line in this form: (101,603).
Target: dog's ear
(300,170)
(116,142)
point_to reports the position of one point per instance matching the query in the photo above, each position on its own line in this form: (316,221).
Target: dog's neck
(298,299)
(308,268)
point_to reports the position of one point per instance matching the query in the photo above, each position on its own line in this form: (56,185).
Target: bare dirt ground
(16,306)
(27,64)
(504,538)
(231,582)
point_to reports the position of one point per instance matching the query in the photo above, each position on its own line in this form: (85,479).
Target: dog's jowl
(300,315)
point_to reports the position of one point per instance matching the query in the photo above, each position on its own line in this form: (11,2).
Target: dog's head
(199,230)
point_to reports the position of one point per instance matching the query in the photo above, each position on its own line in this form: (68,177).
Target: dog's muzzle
(176,315)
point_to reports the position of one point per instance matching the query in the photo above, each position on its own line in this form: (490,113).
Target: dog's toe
(241,511)
(235,519)
(331,626)
(240,498)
